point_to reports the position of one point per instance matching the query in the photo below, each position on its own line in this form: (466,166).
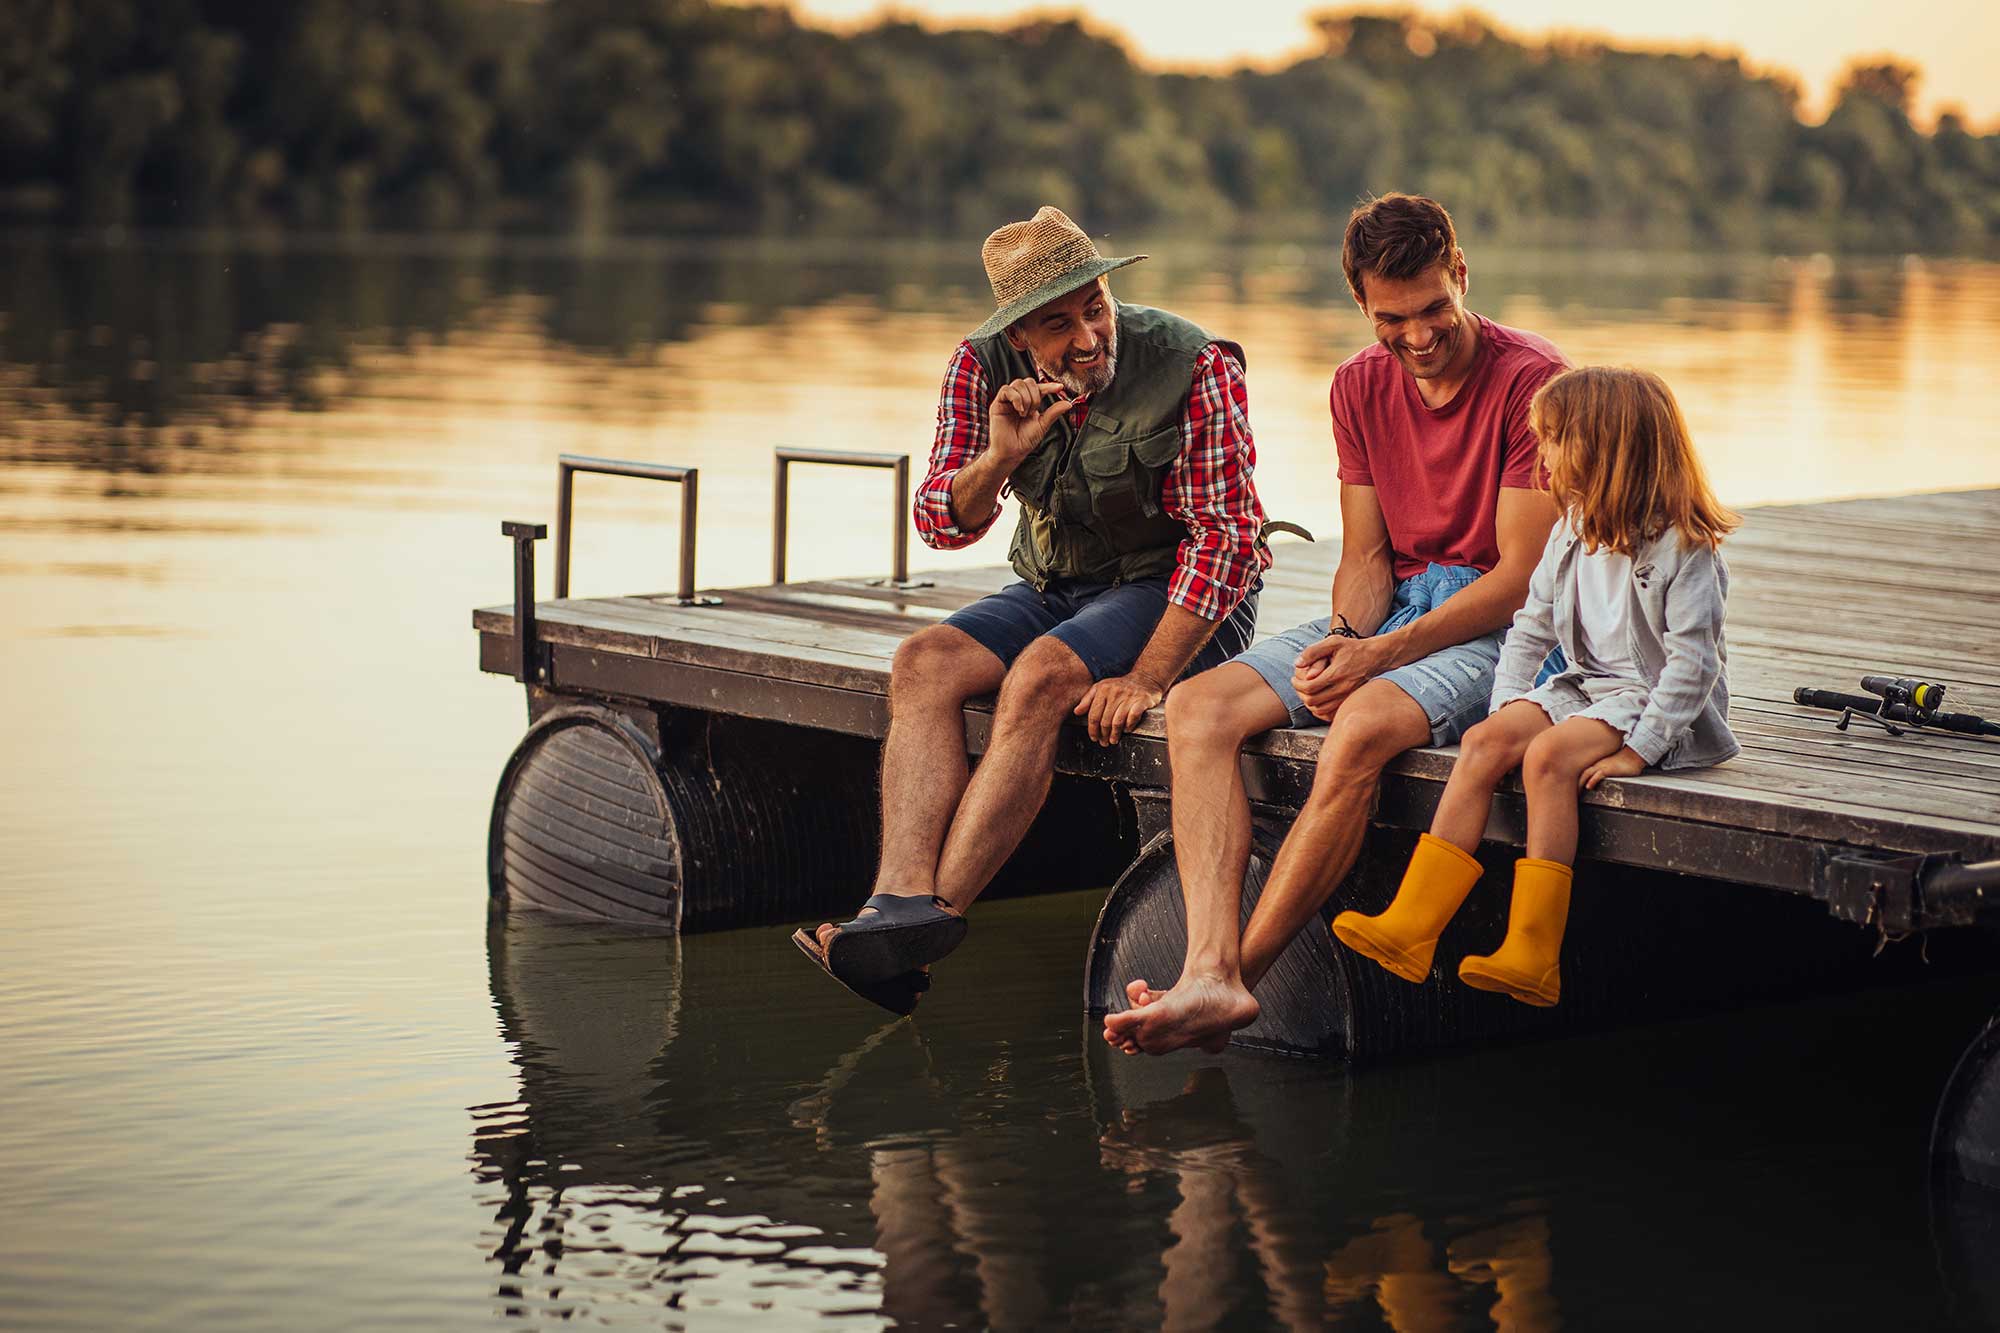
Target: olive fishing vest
(1090,498)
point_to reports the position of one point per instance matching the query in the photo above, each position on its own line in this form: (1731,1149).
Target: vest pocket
(1111,480)
(1124,477)
(1155,453)
(1160,448)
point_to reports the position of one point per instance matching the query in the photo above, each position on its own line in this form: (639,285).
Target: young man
(1124,433)
(1443,517)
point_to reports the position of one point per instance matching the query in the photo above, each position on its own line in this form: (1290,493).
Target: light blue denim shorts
(1453,685)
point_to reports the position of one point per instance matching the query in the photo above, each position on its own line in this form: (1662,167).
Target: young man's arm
(1334,668)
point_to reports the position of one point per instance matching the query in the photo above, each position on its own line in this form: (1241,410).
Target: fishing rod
(1915,704)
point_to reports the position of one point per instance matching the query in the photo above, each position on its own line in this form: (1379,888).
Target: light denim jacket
(1675,614)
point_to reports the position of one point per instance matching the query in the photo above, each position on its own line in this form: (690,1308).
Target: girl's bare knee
(1545,764)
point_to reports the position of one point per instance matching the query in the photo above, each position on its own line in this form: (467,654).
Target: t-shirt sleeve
(1521,465)
(1347,445)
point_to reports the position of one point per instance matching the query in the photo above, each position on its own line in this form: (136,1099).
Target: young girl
(1631,587)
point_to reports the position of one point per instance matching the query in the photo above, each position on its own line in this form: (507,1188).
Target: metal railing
(899,529)
(568,465)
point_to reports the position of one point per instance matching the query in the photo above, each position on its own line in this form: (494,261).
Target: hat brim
(1049,291)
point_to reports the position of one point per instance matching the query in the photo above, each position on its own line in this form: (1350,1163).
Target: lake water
(264,1061)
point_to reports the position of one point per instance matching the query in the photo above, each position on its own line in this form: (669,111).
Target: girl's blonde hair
(1621,463)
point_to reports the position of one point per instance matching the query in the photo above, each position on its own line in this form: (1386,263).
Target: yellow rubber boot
(1405,936)
(1525,967)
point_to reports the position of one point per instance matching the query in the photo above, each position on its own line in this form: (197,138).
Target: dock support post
(530,666)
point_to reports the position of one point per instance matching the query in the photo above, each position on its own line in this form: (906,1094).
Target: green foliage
(598,116)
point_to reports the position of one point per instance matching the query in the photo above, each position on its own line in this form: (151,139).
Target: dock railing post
(899,535)
(528,663)
(689,480)
(780,511)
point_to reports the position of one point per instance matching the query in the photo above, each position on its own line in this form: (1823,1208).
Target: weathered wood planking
(1820,595)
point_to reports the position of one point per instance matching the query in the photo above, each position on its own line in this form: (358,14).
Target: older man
(1124,434)
(1443,516)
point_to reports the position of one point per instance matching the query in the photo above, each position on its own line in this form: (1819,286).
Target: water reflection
(1804,378)
(683,1141)
(188,389)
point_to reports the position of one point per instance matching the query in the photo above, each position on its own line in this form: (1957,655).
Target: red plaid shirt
(1209,488)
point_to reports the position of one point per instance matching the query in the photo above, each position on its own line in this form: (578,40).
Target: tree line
(651,116)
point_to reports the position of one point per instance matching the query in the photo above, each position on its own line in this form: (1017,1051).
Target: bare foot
(1120,1029)
(1199,1011)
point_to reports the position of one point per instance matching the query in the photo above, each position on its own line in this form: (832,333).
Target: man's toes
(827,930)
(1138,991)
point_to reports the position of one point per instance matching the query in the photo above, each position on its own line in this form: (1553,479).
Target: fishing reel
(1916,704)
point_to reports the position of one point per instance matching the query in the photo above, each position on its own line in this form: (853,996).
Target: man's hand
(1625,764)
(1019,418)
(1115,704)
(1335,667)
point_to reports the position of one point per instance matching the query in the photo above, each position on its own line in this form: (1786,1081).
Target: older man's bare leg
(1012,780)
(1377,723)
(923,760)
(1208,719)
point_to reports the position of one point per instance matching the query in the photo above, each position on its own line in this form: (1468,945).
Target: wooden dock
(1821,594)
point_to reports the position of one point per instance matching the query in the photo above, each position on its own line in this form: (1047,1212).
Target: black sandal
(903,935)
(899,994)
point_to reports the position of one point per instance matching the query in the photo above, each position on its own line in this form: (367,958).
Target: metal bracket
(531,658)
(689,479)
(1905,892)
(1848,715)
(1957,894)
(899,531)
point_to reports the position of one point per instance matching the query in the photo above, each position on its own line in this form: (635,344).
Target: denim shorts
(1453,685)
(1107,625)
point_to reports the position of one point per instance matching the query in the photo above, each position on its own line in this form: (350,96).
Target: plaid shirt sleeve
(961,438)
(1210,490)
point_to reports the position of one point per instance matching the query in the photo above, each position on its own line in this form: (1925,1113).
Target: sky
(1954,42)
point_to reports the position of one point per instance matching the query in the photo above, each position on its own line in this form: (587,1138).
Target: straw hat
(1032,263)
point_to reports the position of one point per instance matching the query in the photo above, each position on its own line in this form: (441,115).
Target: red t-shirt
(1438,471)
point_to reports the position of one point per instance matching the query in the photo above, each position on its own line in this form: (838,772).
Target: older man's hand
(1114,705)
(1335,667)
(1019,417)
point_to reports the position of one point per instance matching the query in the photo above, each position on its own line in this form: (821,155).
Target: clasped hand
(1330,670)
(1626,763)
(1115,704)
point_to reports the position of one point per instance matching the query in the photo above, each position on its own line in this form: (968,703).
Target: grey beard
(1096,382)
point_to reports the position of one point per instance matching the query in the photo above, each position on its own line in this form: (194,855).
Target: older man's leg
(1378,722)
(1208,719)
(1012,780)
(923,760)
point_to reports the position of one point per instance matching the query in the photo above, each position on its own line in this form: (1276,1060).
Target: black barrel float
(720,822)
(1965,1140)
(1965,1182)
(1634,939)
(685,820)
